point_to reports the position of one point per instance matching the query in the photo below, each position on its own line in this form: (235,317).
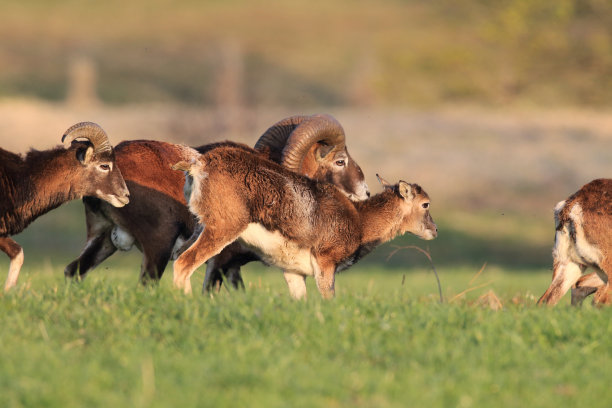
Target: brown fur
(157,214)
(311,215)
(43,180)
(595,201)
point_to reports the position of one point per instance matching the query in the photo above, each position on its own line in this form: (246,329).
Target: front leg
(324,273)
(15,253)
(565,275)
(296,284)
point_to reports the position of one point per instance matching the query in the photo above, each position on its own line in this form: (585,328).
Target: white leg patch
(587,253)
(296,284)
(14,268)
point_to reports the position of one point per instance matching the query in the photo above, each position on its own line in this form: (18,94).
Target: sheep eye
(425,205)
(340,163)
(105,167)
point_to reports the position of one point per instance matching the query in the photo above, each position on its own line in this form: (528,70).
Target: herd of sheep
(297,200)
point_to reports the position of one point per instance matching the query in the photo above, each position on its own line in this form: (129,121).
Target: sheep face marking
(100,177)
(339,169)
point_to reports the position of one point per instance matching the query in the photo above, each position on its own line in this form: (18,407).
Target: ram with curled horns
(157,220)
(43,180)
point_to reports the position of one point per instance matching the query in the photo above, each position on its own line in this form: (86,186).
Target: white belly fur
(276,250)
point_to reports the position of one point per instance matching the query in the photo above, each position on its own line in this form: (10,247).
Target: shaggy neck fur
(33,186)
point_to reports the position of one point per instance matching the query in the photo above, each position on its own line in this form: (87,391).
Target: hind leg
(565,275)
(210,242)
(213,280)
(15,254)
(585,286)
(227,263)
(156,252)
(566,272)
(153,265)
(603,295)
(97,249)
(99,245)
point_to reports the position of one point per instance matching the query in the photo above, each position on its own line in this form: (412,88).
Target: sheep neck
(40,184)
(381,218)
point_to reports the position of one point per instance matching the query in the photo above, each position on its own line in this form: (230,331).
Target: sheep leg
(207,245)
(97,249)
(565,274)
(212,278)
(296,284)
(153,265)
(603,296)
(585,286)
(234,277)
(99,245)
(228,263)
(181,247)
(15,253)
(325,278)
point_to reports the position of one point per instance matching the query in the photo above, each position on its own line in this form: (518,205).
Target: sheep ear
(322,150)
(384,183)
(85,155)
(405,190)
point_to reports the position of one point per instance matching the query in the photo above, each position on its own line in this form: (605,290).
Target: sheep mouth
(118,201)
(428,234)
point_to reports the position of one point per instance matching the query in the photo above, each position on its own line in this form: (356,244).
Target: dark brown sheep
(43,180)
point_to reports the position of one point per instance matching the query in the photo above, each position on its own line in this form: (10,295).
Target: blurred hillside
(498,109)
(305,53)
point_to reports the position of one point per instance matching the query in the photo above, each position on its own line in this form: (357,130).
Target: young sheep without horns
(305,227)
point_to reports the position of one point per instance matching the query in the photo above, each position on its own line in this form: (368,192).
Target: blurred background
(498,109)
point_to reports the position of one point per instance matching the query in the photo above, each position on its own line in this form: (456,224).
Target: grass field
(106,342)
(384,341)
(498,109)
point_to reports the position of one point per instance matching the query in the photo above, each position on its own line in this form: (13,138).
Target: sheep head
(315,147)
(99,175)
(414,204)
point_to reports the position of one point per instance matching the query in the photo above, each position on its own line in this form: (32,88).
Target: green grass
(385,340)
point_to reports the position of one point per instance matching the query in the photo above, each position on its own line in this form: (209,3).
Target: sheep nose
(368,194)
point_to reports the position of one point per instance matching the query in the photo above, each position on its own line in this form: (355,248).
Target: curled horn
(316,129)
(275,138)
(295,135)
(90,131)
